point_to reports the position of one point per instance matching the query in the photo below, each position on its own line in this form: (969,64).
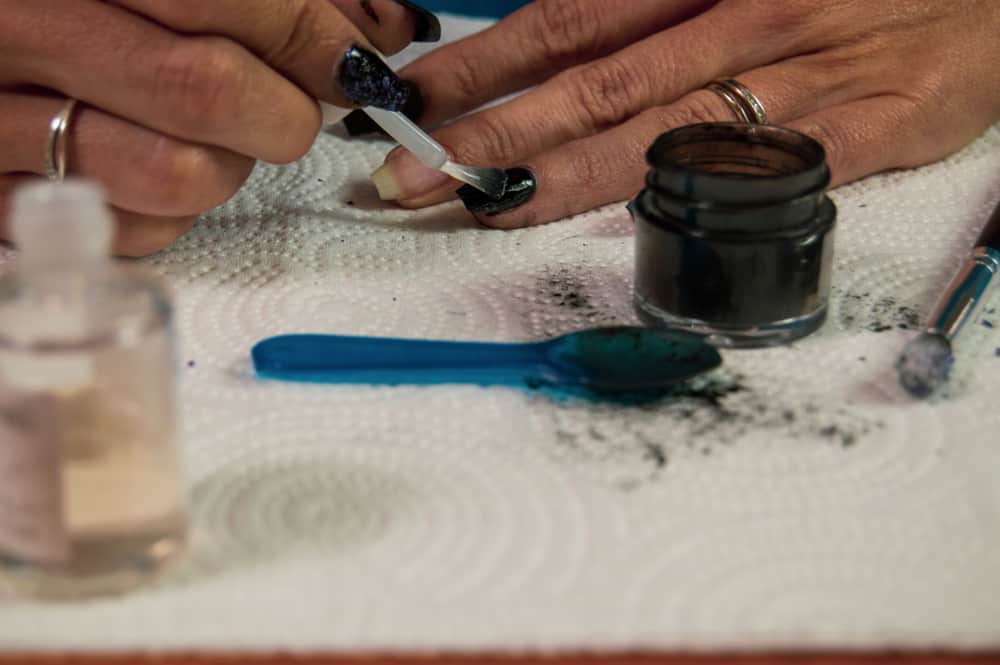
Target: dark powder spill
(631,444)
(565,290)
(876,314)
(561,291)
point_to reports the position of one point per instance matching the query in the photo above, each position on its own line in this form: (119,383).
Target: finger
(588,173)
(590,98)
(139,169)
(135,234)
(861,137)
(139,235)
(875,134)
(533,44)
(303,39)
(202,89)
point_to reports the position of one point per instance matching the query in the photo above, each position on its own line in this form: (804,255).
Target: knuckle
(784,18)
(299,34)
(200,83)
(591,169)
(695,109)
(608,92)
(495,141)
(931,89)
(567,30)
(468,77)
(834,137)
(184,180)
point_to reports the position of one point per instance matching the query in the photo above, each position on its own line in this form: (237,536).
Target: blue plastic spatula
(605,359)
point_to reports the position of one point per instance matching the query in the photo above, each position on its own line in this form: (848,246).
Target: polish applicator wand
(926,361)
(488,180)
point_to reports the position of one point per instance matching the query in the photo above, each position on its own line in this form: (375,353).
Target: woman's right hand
(178,98)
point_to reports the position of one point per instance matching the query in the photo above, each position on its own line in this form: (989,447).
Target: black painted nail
(367,80)
(521,187)
(428,25)
(357,123)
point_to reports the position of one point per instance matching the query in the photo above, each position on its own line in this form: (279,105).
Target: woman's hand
(179,98)
(889,84)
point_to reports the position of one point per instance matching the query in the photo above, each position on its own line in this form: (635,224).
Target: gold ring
(741,101)
(55,146)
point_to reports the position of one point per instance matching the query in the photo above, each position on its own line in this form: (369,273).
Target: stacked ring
(743,103)
(56,145)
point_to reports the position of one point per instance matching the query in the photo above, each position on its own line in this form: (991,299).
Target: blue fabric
(495,8)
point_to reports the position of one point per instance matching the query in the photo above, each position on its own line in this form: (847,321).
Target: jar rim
(737,163)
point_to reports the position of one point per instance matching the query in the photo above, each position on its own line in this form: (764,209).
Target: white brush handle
(409,135)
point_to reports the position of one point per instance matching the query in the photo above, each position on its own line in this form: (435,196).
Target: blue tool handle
(990,237)
(966,294)
(385,361)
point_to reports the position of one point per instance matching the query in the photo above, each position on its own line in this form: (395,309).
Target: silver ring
(55,146)
(731,101)
(738,97)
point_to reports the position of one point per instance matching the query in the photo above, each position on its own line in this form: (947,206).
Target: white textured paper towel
(800,500)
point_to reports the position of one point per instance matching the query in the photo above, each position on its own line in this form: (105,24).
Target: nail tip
(428,24)
(385,184)
(429,31)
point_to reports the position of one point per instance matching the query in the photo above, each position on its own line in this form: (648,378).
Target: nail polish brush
(926,361)
(488,180)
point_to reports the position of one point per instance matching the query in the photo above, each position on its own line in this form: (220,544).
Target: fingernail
(367,80)
(404,177)
(358,123)
(521,187)
(428,25)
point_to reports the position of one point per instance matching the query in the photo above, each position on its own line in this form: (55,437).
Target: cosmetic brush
(926,361)
(488,180)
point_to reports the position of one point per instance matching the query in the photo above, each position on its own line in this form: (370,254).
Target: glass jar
(734,234)
(90,488)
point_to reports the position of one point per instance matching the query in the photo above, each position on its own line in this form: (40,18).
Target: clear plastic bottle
(91,498)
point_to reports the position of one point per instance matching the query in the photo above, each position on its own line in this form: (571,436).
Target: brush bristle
(490,181)
(925,364)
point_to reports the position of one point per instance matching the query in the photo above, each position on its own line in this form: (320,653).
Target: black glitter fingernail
(521,187)
(357,123)
(367,80)
(428,25)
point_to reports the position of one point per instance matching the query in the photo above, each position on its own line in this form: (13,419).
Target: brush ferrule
(966,293)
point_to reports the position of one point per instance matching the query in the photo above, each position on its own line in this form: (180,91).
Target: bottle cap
(61,224)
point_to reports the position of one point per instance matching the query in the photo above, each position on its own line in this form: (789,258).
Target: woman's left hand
(883,85)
